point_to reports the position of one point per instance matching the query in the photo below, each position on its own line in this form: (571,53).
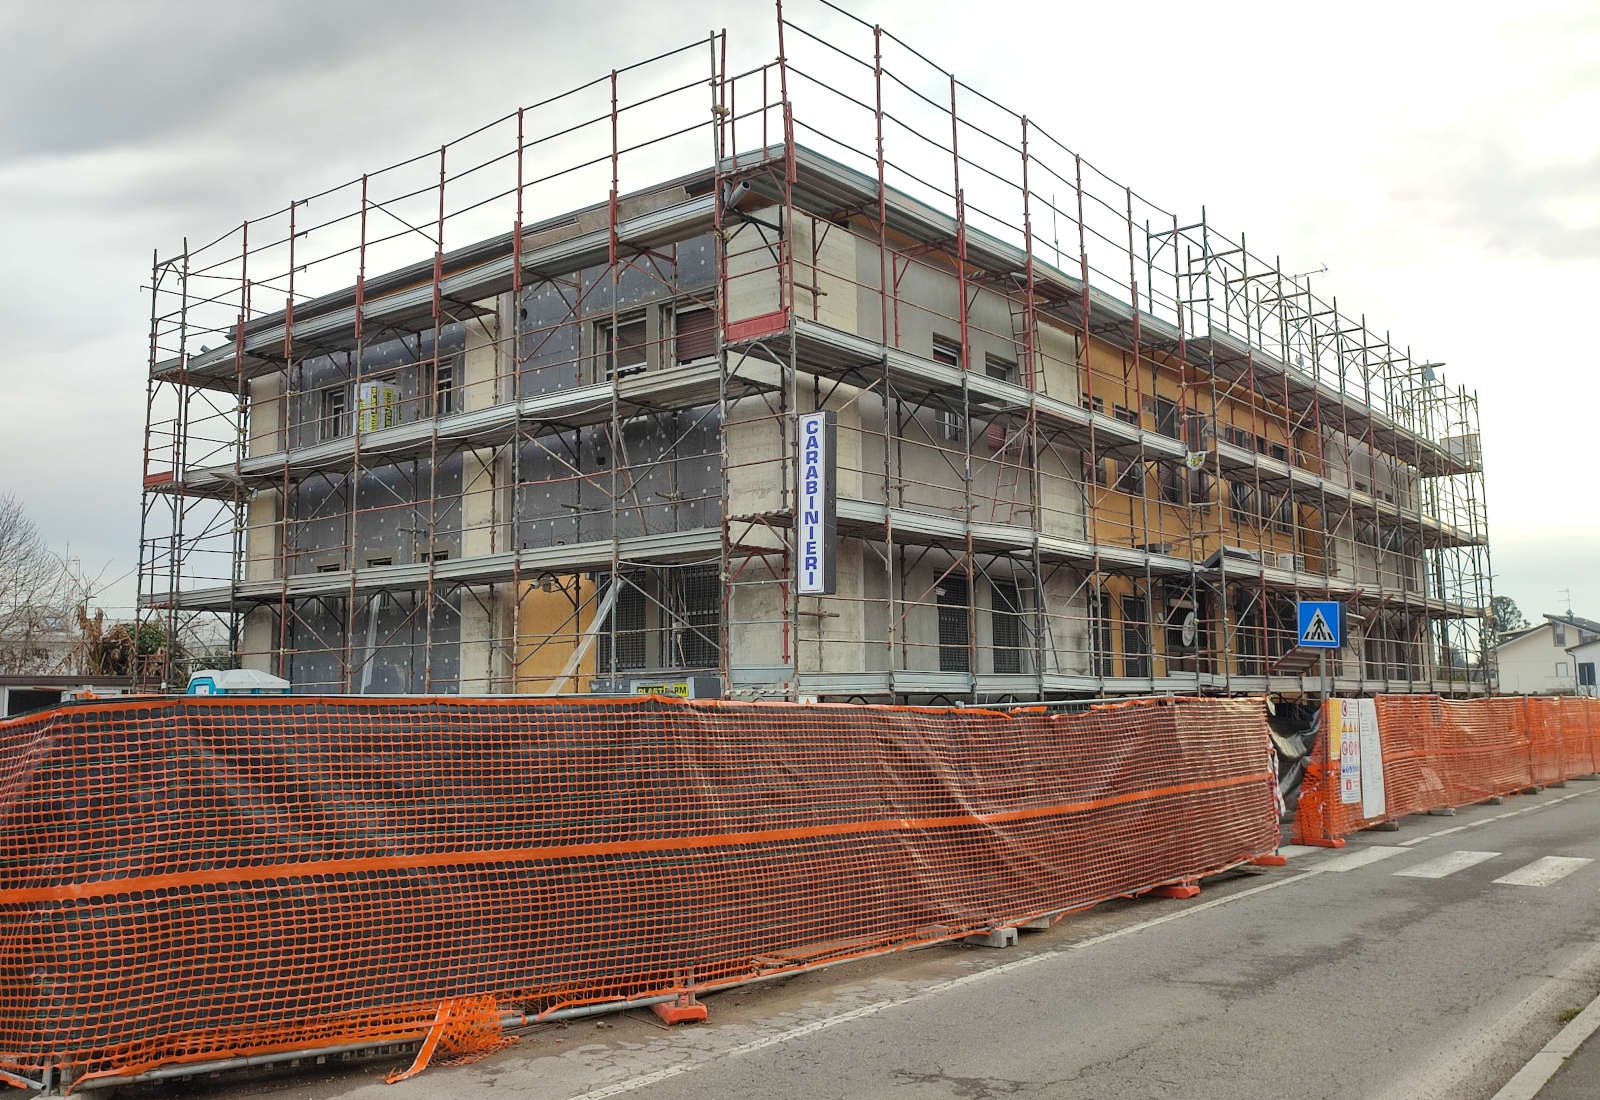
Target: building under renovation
(535,412)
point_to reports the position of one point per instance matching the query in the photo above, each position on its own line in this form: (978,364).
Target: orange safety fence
(1434,753)
(184,879)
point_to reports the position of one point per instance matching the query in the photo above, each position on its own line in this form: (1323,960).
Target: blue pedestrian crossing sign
(1321,624)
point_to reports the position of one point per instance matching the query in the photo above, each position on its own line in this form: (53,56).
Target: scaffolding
(1085,446)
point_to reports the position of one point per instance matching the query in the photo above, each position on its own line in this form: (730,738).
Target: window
(1097,472)
(1006,626)
(953,652)
(947,351)
(1247,633)
(1104,640)
(950,424)
(1561,670)
(700,603)
(378,563)
(623,348)
(1002,369)
(1283,515)
(1166,418)
(334,416)
(951,428)
(694,334)
(1169,479)
(1135,637)
(1130,477)
(622,646)
(1560,633)
(1125,414)
(1586,674)
(436,556)
(331,567)
(1093,404)
(1241,502)
(1278,451)
(444,387)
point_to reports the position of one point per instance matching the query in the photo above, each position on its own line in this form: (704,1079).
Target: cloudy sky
(1444,167)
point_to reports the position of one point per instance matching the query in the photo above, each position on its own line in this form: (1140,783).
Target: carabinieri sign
(817,504)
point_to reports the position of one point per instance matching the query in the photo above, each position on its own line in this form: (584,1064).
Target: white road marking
(1446,865)
(1542,872)
(1344,862)
(1543,1066)
(1466,1060)
(814,1026)
(1351,860)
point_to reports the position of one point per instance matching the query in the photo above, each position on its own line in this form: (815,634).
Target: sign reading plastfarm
(816,504)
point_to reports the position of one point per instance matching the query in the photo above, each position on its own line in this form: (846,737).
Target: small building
(25,693)
(1585,660)
(1538,661)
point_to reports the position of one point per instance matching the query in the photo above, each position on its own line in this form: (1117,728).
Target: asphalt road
(1399,967)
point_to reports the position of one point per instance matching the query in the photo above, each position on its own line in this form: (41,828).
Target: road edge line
(1527,1082)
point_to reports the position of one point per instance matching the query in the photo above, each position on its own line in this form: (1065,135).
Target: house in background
(1585,659)
(1539,661)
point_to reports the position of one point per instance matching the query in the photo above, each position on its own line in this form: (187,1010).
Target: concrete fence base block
(1592,777)
(1562,783)
(1384,827)
(685,1009)
(996,937)
(1442,811)
(1495,800)
(1041,924)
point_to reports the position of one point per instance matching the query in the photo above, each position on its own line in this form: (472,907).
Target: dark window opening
(1130,478)
(947,351)
(954,655)
(622,646)
(1241,502)
(1247,634)
(23,700)
(1105,633)
(701,615)
(1135,637)
(624,349)
(1003,370)
(1166,418)
(1006,626)
(1586,674)
(1169,478)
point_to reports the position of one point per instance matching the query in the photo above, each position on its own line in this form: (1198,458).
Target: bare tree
(36,611)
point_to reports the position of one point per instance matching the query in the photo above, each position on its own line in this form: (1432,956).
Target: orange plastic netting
(1439,753)
(185,879)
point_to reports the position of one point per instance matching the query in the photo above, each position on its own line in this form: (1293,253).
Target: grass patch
(1569,1015)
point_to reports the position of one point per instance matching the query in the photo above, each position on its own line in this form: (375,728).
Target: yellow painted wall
(549,629)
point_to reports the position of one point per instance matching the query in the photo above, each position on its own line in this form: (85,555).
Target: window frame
(334,424)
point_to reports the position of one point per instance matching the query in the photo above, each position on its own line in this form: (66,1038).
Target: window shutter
(696,335)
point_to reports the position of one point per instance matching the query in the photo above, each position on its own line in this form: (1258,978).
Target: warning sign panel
(1357,745)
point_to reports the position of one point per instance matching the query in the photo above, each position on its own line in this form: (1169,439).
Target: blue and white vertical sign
(817,504)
